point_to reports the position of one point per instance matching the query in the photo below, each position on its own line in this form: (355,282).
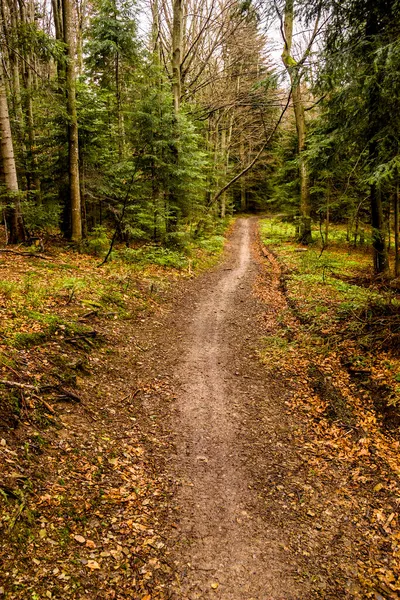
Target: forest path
(225,548)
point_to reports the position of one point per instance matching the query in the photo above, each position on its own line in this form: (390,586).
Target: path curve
(228,550)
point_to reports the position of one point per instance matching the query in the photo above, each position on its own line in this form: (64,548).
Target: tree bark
(14,219)
(28,19)
(396,228)
(243,204)
(380,256)
(73,146)
(223,158)
(177,39)
(293,69)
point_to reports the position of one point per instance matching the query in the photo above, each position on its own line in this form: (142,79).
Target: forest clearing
(199,299)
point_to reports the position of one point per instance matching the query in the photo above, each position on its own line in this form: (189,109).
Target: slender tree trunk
(10,32)
(223,158)
(120,116)
(155,31)
(14,216)
(243,204)
(57,16)
(327,217)
(28,18)
(73,148)
(81,9)
(396,229)
(380,256)
(177,40)
(305,236)
(174,196)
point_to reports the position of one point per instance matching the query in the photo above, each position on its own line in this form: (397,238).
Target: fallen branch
(64,395)
(29,254)
(67,395)
(21,386)
(45,404)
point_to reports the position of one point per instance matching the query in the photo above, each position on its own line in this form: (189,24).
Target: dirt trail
(223,539)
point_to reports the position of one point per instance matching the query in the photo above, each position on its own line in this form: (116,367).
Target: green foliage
(111,38)
(157,255)
(41,217)
(8,288)
(98,241)
(178,240)
(213,244)
(275,231)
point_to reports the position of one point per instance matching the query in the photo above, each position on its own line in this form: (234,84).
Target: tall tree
(176,58)
(73,142)
(14,219)
(295,71)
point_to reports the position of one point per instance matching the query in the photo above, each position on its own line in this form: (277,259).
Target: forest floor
(189,443)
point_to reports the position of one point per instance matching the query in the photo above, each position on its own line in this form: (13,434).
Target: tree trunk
(177,39)
(223,159)
(327,216)
(380,256)
(81,9)
(73,148)
(304,234)
(120,116)
(243,204)
(16,230)
(155,32)
(28,19)
(396,229)
(175,198)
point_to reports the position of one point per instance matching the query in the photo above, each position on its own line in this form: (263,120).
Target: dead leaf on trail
(146,597)
(80,539)
(215,586)
(93,564)
(378,487)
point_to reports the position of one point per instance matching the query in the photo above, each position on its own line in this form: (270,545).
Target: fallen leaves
(80,539)
(341,439)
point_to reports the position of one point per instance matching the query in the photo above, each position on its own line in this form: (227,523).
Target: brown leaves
(80,539)
(340,437)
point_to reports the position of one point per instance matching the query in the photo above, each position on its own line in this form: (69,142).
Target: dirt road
(226,547)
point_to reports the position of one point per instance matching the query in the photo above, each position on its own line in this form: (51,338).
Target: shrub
(98,242)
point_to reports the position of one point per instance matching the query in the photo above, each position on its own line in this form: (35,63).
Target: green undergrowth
(61,305)
(179,250)
(340,309)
